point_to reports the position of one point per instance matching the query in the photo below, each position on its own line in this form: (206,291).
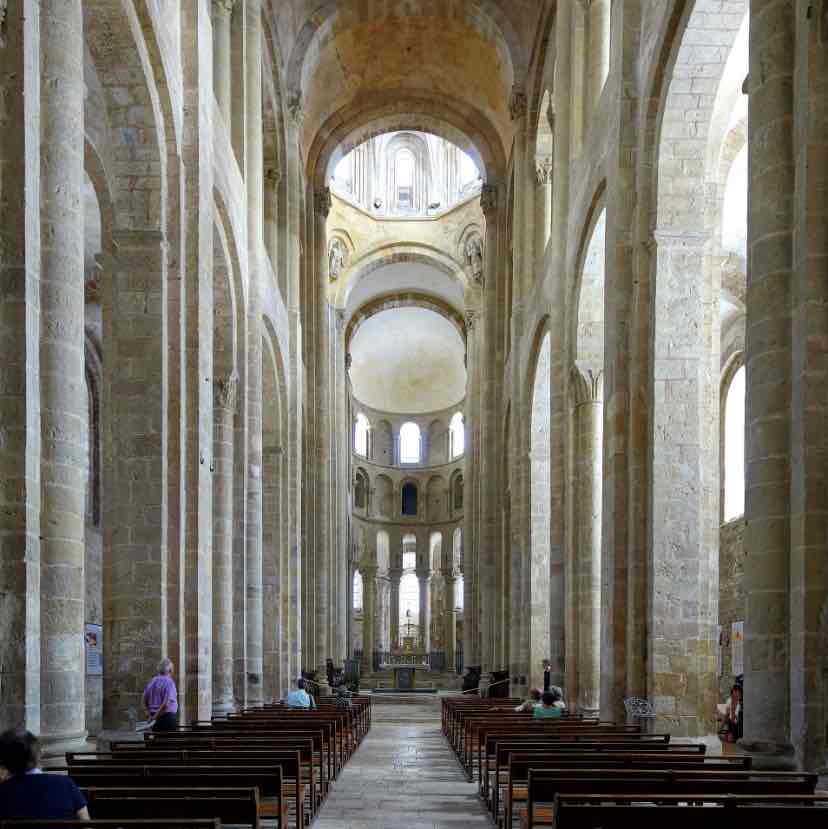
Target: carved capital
(488,199)
(322,202)
(471,316)
(223,7)
(294,107)
(339,320)
(543,168)
(517,103)
(587,384)
(225,391)
(273,176)
(348,361)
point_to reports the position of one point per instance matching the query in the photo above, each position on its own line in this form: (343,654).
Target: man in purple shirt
(161,699)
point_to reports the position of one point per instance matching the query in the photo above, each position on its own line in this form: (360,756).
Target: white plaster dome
(408,360)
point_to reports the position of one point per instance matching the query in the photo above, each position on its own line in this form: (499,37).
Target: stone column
(19,378)
(272,178)
(395,576)
(449,621)
(769,362)
(424,578)
(322,406)
(490,427)
(587,388)
(222,63)
(369,604)
(255,248)
(598,50)
(471,638)
(543,209)
(225,390)
(135,446)
(63,398)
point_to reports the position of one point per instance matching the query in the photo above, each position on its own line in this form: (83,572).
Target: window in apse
(361,428)
(734,448)
(458,593)
(404,173)
(410,443)
(357,591)
(457,435)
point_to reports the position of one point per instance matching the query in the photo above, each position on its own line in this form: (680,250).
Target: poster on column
(93,640)
(737,647)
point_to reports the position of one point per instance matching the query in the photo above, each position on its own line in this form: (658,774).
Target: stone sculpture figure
(336,259)
(474,257)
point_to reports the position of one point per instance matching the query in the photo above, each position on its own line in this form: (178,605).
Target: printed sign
(93,638)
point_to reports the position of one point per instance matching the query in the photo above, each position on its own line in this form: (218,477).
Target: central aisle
(404,776)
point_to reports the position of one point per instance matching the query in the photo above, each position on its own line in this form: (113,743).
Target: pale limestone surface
(403,775)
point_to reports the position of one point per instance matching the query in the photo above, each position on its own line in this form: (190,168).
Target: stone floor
(404,776)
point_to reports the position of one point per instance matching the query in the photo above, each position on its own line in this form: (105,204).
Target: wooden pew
(279,782)
(515,789)
(720,812)
(230,806)
(546,784)
(111,824)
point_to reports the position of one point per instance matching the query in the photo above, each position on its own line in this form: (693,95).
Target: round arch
(406,299)
(400,110)
(393,254)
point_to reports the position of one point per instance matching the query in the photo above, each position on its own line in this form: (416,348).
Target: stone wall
(93,614)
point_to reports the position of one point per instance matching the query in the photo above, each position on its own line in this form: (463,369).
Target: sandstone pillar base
(770,756)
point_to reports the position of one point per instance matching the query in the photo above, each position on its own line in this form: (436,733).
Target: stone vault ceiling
(408,360)
(355,55)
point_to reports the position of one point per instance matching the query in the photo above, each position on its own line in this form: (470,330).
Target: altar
(405,666)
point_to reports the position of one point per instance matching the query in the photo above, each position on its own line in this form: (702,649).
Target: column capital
(225,391)
(587,384)
(488,199)
(295,108)
(322,202)
(367,571)
(471,316)
(423,575)
(517,102)
(273,176)
(543,168)
(395,574)
(223,7)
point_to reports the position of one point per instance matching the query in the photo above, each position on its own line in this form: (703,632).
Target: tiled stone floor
(404,776)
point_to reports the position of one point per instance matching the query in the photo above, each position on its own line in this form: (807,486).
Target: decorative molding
(273,176)
(322,202)
(225,391)
(339,320)
(348,361)
(488,199)
(471,316)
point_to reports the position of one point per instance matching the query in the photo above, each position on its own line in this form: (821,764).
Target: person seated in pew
(161,699)
(29,794)
(532,701)
(547,709)
(300,698)
(556,689)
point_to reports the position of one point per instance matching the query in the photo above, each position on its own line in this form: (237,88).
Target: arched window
(457,493)
(360,490)
(457,436)
(458,593)
(409,606)
(410,443)
(404,179)
(361,429)
(734,447)
(357,590)
(409,499)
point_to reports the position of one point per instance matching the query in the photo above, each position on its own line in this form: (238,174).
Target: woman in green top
(547,709)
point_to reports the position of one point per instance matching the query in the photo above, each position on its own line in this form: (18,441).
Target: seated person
(299,697)
(559,703)
(547,709)
(731,728)
(28,793)
(533,700)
